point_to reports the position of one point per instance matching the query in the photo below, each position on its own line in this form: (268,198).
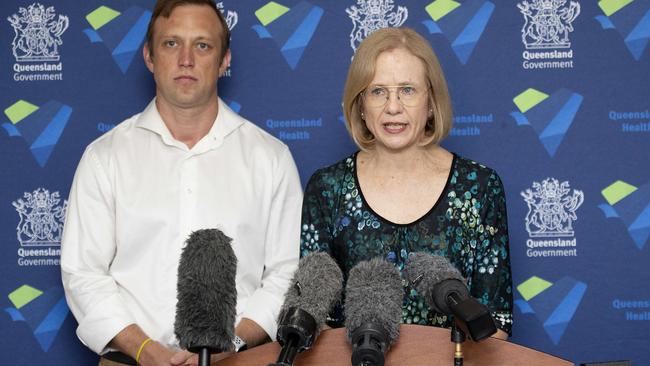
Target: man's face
(186,60)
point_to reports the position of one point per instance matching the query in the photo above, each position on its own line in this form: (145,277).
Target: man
(186,162)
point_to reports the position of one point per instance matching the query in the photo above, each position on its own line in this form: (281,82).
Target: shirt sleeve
(87,250)
(492,279)
(281,246)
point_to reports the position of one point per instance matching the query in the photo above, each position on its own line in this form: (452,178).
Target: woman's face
(399,123)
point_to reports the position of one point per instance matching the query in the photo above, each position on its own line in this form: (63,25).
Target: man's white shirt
(137,195)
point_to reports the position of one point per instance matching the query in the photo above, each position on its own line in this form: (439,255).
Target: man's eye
(203,46)
(170,43)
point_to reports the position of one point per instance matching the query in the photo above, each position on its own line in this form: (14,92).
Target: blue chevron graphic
(123,34)
(41,127)
(631,19)
(551,118)
(631,205)
(44,312)
(554,305)
(292,31)
(462,26)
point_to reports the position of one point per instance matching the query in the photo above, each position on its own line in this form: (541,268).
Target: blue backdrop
(553,94)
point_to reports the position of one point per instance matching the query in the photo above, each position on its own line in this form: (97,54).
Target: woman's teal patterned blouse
(468,225)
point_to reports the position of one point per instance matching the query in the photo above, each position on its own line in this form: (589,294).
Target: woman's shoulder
(335,174)
(468,173)
(466,169)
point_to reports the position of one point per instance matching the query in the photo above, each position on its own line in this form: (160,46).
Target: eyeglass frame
(388,88)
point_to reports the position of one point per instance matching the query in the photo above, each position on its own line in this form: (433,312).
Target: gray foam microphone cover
(315,287)
(374,293)
(424,271)
(206,292)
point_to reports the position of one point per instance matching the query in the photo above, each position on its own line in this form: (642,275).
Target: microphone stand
(458,337)
(205,353)
(287,353)
(297,331)
(204,357)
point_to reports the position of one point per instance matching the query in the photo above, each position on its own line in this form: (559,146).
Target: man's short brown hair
(164,8)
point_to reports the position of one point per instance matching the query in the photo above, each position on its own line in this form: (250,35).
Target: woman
(402,192)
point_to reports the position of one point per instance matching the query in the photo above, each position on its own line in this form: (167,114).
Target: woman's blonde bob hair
(362,71)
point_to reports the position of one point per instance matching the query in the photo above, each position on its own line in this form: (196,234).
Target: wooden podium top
(416,345)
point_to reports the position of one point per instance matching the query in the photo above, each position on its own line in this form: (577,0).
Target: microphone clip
(370,342)
(297,331)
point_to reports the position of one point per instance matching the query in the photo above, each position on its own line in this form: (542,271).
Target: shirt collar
(226,122)
(151,120)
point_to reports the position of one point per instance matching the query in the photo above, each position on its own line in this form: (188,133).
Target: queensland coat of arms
(231,16)
(551,208)
(548,23)
(38,33)
(370,15)
(41,218)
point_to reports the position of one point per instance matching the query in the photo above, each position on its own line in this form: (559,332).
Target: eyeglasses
(376,96)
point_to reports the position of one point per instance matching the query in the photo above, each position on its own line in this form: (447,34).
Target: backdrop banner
(553,94)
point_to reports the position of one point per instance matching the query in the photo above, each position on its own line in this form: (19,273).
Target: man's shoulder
(257,138)
(122,132)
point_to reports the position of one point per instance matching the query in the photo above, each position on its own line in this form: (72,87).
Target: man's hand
(131,340)
(247,329)
(155,354)
(186,358)
(251,333)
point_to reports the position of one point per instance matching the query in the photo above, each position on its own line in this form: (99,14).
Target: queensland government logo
(631,19)
(41,127)
(462,25)
(369,15)
(36,43)
(545,33)
(631,205)
(291,29)
(553,304)
(552,210)
(232,18)
(550,116)
(121,32)
(43,311)
(40,227)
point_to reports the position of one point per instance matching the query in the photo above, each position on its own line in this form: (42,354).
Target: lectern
(417,345)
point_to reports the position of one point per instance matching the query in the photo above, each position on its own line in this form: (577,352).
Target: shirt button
(189,191)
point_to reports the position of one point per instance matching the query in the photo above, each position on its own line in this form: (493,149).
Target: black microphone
(315,288)
(206,293)
(373,310)
(444,289)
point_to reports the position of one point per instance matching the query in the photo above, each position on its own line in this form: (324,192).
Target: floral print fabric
(468,225)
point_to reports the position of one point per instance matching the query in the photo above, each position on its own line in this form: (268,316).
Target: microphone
(316,287)
(373,310)
(206,293)
(444,289)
